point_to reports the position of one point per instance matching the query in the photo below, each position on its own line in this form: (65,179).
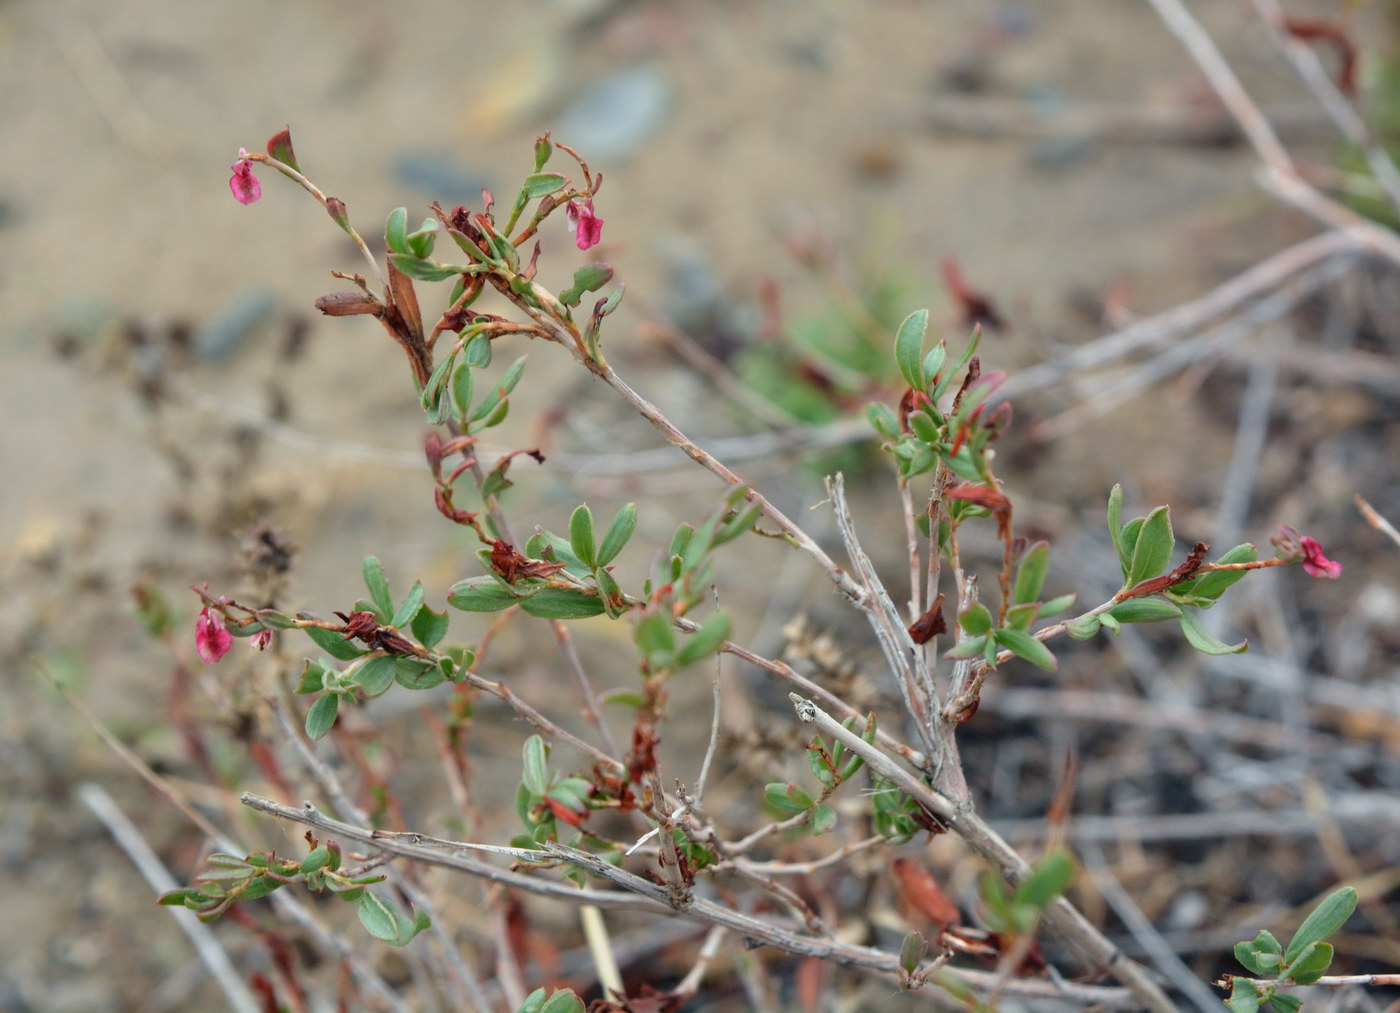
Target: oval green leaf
(321,716)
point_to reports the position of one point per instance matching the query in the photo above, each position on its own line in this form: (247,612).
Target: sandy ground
(749,120)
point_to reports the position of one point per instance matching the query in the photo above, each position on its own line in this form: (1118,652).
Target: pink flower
(1315,563)
(210,638)
(589,225)
(1296,548)
(243,183)
(262,639)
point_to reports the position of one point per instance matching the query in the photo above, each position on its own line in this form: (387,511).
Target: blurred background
(779,175)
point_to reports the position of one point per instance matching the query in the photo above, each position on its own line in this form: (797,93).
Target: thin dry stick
(368,978)
(1376,520)
(1108,395)
(962,819)
(1326,981)
(1135,123)
(129,838)
(690,984)
(645,895)
(674,436)
(461,977)
(1147,936)
(1165,326)
(1279,174)
(1339,108)
(906,661)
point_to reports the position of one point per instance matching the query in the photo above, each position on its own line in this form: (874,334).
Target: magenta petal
(210,638)
(245,186)
(590,229)
(1315,563)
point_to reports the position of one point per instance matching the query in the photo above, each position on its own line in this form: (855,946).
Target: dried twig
(962,819)
(130,839)
(1376,520)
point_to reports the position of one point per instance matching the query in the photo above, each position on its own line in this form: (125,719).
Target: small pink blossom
(243,183)
(588,225)
(211,639)
(1297,548)
(1315,563)
(262,639)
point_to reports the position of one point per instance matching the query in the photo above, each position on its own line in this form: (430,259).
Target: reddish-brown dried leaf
(976,307)
(930,624)
(922,892)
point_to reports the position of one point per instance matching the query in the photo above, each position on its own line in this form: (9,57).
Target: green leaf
(563,1001)
(461,387)
(1057,605)
(823,819)
(1154,548)
(786,797)
(924,427)
(416,673)
(425,270)
(1326,918)
(1030,575)
(581,538)
(313,678)
(480,594)
(1203,640)
(1244,996)
(1311,964)
(501,390)
(1023,645)
(1285,1003)
(883,420)
(375,675)
(1129,536)
(333,643)
(655,637)
(1115,513)
(1083,627)
(933,361)
(387,923)
(1048,878)
(378,586)
(318,858)
(972,647)
(279,146)
(588,278)
(321,716)
(534,1002)
(396,231)
(535,773)
(562,603)
(909,348)
(429,626)
(976,620)
(740,524)
(477,352)
(421,242)
(1266,965)
(412,602)
(540,183)
(705,641)
(911,951)
(1144,610)
(624,522)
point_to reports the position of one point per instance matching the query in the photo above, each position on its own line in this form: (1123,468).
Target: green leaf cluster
(228,878)
(1306,958)
(1018,912)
